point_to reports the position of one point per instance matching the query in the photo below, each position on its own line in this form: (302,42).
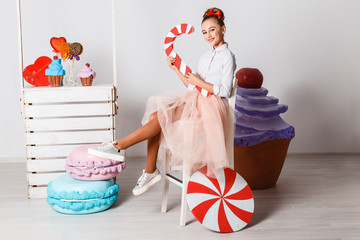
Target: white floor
(315,198)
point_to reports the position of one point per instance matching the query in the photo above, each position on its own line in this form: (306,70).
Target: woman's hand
(170,62)
(193,79)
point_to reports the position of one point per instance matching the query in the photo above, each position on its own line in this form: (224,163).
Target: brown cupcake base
(87,81)
(55,81)
(260,165)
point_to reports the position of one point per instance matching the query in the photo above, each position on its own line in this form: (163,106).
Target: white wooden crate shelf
(59,119)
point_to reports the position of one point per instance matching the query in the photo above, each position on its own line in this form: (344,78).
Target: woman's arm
(170,62)
(228,69)
(221,88)
(194,79)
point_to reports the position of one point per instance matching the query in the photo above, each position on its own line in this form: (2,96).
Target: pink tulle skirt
(193,129)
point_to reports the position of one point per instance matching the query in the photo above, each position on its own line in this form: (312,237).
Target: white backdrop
(308,52)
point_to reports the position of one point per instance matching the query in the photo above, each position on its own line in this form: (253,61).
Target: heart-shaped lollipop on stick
(55,43)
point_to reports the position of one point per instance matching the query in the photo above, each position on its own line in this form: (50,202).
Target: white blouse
(217,67)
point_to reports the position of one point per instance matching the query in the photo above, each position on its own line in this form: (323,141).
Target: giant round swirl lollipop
(222,204)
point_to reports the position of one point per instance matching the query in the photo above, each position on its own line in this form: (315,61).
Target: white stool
(186,172)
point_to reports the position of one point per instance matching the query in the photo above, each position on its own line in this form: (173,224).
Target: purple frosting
(257,118)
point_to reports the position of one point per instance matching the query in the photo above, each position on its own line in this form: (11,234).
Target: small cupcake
(86,75)
(55,72)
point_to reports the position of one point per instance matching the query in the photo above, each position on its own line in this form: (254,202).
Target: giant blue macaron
(71,196)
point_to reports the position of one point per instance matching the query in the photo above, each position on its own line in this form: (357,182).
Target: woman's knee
(152,116)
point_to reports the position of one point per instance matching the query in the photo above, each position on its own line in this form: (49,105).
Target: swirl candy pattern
(223,203)
(183,28)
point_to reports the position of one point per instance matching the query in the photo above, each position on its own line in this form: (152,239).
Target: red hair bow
(211,12)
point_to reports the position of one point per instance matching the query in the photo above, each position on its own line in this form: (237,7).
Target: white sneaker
(146,181)
(107,150)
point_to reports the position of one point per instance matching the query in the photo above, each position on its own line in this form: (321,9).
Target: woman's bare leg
(151,132)
(152,152)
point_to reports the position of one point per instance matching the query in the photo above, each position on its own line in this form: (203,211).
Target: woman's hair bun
(216,13)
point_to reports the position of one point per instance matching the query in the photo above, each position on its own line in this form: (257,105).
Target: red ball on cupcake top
(249,78)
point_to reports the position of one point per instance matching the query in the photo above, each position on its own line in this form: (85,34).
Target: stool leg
(184,206)
(166,184)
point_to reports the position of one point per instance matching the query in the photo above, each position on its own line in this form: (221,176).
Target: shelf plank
(52,151)
(42,178)
(63,124)
(37,192)
(69,110)
(72,137)
(97,93)
(46,165)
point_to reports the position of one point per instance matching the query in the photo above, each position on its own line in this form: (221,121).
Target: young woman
(192,127)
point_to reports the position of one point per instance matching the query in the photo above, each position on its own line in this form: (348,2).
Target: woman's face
(213,33)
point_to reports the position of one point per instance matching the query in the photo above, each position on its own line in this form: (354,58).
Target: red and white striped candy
(222,204)
(169,50)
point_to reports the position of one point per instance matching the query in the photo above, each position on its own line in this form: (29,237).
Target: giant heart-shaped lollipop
(55,43)
(35,73)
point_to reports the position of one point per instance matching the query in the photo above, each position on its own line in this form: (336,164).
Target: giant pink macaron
(84,166)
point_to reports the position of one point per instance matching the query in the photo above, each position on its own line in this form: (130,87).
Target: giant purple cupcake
(262,137)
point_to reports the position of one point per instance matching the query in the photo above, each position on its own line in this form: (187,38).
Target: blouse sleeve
(228,69)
